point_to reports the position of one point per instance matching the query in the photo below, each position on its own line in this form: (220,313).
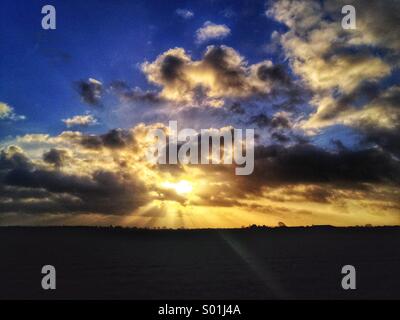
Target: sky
(77,102)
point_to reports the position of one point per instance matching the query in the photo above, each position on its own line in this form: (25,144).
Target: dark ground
(115,263)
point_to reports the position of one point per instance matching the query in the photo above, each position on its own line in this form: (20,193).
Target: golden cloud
(221,73)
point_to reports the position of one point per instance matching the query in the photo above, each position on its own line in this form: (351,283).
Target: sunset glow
(322,103)
(182,187)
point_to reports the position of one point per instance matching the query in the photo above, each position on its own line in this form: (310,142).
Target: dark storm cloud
(90,91)
(142,96)
(230,76)
(171,68)
(261,120)
(278,121)
(12,157)
(300,139)
(91,142)
(279,126)
(388,139)
(280,137)
(364,93)
(319,194)
(276,73)
(308,164)
(338,144)
(114,139)
(312,193)
(237,108)
(56,157)
(127,94)
(289,98)
(22,193)
(58,192)
(379,19)
(286,94)
(117,138)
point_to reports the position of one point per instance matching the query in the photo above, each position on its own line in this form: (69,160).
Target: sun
(182,187)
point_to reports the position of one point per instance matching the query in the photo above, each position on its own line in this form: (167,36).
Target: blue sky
(106,40)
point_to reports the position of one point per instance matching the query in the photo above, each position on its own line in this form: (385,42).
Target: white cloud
(80,120)
(211,30)
(7,113)
(222,73)
(335,63)
(382,112)
(184,13)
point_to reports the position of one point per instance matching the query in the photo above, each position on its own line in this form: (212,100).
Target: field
(251,263)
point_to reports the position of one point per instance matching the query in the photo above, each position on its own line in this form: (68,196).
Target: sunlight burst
(181,187)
